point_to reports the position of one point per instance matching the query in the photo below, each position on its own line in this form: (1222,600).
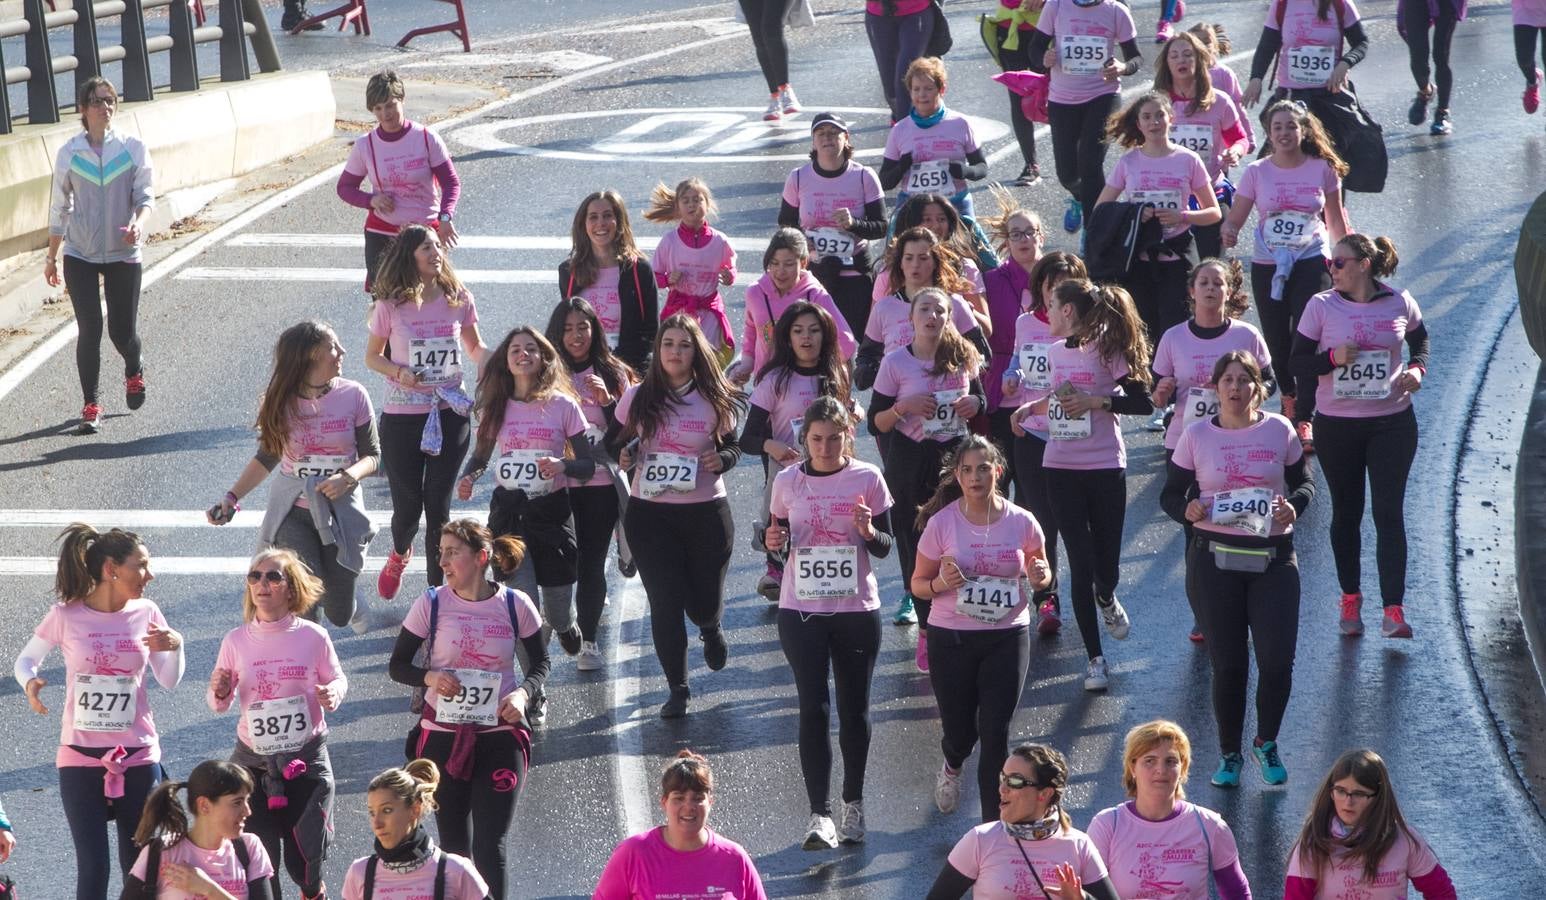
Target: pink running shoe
(391,577)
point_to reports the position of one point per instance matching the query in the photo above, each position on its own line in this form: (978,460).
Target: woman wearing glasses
(1017,232)
(1033,850)
(284,676)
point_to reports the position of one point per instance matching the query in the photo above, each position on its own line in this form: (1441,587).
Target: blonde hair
(930,67)
(997,225)
(1146,737)
(663,200)
(305,587)
(413,784)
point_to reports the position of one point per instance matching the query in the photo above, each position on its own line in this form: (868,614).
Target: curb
(1530,526)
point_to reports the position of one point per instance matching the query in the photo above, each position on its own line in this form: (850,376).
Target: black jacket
(640,302)
(1114,236)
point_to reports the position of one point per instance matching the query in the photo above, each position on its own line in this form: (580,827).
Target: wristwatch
(445,217)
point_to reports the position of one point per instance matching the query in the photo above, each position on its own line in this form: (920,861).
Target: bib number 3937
(1082,54)
(1367,376)
(826,573)
(1247,508)
(1062,426)
(277,726)
(932,175)
(668,472)
(104,702)
(988,599)
(520,470)
(477,703)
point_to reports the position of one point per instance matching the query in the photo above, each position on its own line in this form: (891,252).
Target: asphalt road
(1451,206)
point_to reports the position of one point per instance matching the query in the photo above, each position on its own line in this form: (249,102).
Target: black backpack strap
(440,877)
(370,876)
(240,846)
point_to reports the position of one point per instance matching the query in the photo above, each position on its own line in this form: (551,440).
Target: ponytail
(1379,251)
(1109,319)
(413,784)
(82,552)
(948,489)
(166,817)
(506,551)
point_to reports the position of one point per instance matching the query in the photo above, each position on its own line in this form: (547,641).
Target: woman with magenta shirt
(1237,480)
(405,861)
(1157,844)
(1017,231)
(1350,341)
(284,677)
(608,270)
(785,281)
(109,753)
(976,558)
(413,181)
(932,149)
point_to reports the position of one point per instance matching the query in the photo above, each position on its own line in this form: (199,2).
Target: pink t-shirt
(820,513)
(1083,367)
(1189,359)
(1033,348)
(403,168)
(1166,181)
(785,407)
(1301,64)
(1076,78)
(276,661)
(950,140)
(904,375)
(1000,550)
(462,881)
(1171,859)
(700,268)
(687,428)
(324,428)
(1228,459)
(473,634)
(764,306)
(988,856)
(1224,80)
(644,867)
(1530,12)
(221,865)
(891,322)
(546,426)
(969,272)
(1209,132)
(1302,189)
(427,338)
(96,644)
(903,7)
(595,425)
(1409,857)
(604,297)
(1379,326)
(818,197)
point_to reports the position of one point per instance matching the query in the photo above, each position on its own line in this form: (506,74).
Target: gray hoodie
(95,195)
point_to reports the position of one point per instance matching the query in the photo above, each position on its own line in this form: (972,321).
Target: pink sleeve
(1435,885)
(468,883)
(614,878)
(763,396)
(886,381)
(574,418)
(329,670)
(1100,831)
(660,260)
(140,862)
(354,881)
(961,315)
(749,329)
(846,345)
(1161,363)
(1310,320)
(356,164)
(1124,29)
(223,660)
(468,309)
(1293,449)
(1247,186)
(381,319)
(778,499)
(872,190)
(625,404)
(1046,23)
(971,137)
(1117,366)
(1091,867)
(1118,176)
(349,190)
(1232,125)
(417,621)
(931,544)
(878,496)
(51,629)
(1202,185)
(1297,887)
(1349,14)
(791,193)
(1034,540)
(438,154)
(963,856)
(1183,455)
(260,867)
(893,145)
(1263,354)
(751,882)
(727,257)
(363,412)
(1330,183)
(872,330)
(155,615)
(1414,316)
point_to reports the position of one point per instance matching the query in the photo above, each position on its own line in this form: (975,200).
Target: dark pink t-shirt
(644,867)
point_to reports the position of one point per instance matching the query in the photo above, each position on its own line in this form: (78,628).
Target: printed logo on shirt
(106,661)
(474,637)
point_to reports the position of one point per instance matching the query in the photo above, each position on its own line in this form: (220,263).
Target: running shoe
(590,658)
(1417,113)
(1306,436)
(947,789)
(1048,620)
(775,110)
(1163,32)
(787,99)
(1195,635)
(134,391)
(1227,775)
(1095,675)
(905,614)
(294,16)
(715,651)
(1028,176)
(1286,404)
(1157,421)
(571,640)
(1267,759)
(91,419)
(1179,13)
(1532,96)
(921,655)
(1442,123)
(770,583)
(850,829)
(1394,624)
(359,623)
(1073,216)
(391,577)
(1115,617)
(537,711)
(676,707)
(821,834)
(626,567)
(1351,621)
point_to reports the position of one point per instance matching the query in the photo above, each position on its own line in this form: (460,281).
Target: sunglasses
(1339,262)
(1017,782)
(273,576)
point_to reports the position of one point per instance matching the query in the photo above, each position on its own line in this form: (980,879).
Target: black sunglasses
(1015,781)
(273,576)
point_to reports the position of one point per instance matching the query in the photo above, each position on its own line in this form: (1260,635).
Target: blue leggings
(88,812)
(896,41)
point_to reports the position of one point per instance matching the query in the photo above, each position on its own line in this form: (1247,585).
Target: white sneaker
(775,110)
(1115,618)
(851,831)
(947,789)
(1095,675)
(590,658)
(359,623)
(821,834)
(1157,421)
(788,100)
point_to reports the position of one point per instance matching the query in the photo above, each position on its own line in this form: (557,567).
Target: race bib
(1036,367)
(1310,65)
(831,242)
(104,702)
(1064,427)
(1160,199)
(663,472)
(1196,138)
(1082,54)
(943,421)
(826,573)
(435,358)
(477,703)
(988,599)
(1247,508)
(1367,376)
(1288,230)
(930,176)
(321,466)
(1201,403)
(520,470)
(277,726)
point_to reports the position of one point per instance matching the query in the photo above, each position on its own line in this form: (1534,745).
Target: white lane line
(160,565)
(628,711)
(354,276)
(169,518)
(467,242)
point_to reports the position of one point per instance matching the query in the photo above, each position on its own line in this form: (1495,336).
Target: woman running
(676,432)
(786,280)
(109,753)
(1158,844)
(1237,481)
(413,180)
(199,850)
(1355,839)
(421,323)
(1075,43)
(1099,369)
(841,207)
(899,32)
(694,260)
(766,20)
(1017,231)
(1414,19)
(1350,341)
(608,269)
(1529,30)
(405,861)
(458,649)
(681,858)
(284,677)
(976,557)
(102,196)
(932,149)
(319,430)
(960,235)
(1216,41)
(1205,121)
(1015,21)
(1033,849)
(1296,191)
(925,392)
(599,379)
(831,513)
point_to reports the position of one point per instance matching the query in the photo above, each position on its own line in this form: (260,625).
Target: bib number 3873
(1367,376)
(988,599)
(663,472)
(825,573)
(104,702)
(477,703)
(277,726)
(1247,508)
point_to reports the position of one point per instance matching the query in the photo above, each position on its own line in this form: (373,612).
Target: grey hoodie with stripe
(95,195)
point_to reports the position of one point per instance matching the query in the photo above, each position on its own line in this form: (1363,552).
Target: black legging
(475,815)
(296,835)
(766,20)
(420,482)
(1079,146)
(853,295)
(682,551)
(1280,321)
(1381,447)
(1208,239)
(121,284)
(896,41)
(1240,612)
(1090,507)
(1017,60)
(849,642)
(912,473)
(1031,492)
(1414,15)
(977,678)
(1525,37)
(595,518)
(1158,288)
(91,814)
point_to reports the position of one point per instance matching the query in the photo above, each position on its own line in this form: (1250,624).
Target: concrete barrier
(1530,524)
(218,132)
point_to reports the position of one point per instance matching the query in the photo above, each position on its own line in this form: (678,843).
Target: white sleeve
(31,659)
(168,667)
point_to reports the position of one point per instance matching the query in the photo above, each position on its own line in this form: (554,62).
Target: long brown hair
(948,490)
(397,275)
(1202,79)
(82,552)
(1123,128)
(497,384)
(959,239)
(583,264)
(292,360)
(599,357)
(834,371)
(1108,318)
(655,394)
(1376,833)
(954,352)
(165,816)
(1314,140)
(1056,265)
(947,274)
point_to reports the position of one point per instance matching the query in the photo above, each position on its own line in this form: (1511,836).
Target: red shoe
(1395,625)
(1306,437)
(1179,12)
(1351,622)
(91,419)
(391,577)
(1048,622)
(1533,95)
(1286,401)
(134,390)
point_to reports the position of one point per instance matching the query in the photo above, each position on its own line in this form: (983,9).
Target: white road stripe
(160,565)
(353,276)
(468,242)
(169,518)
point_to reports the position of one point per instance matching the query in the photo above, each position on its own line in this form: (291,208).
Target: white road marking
(170,518)
(555,61)
(628,711)
(355,276)
(464,242)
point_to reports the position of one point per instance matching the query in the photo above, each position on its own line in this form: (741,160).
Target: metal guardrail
(239,22)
